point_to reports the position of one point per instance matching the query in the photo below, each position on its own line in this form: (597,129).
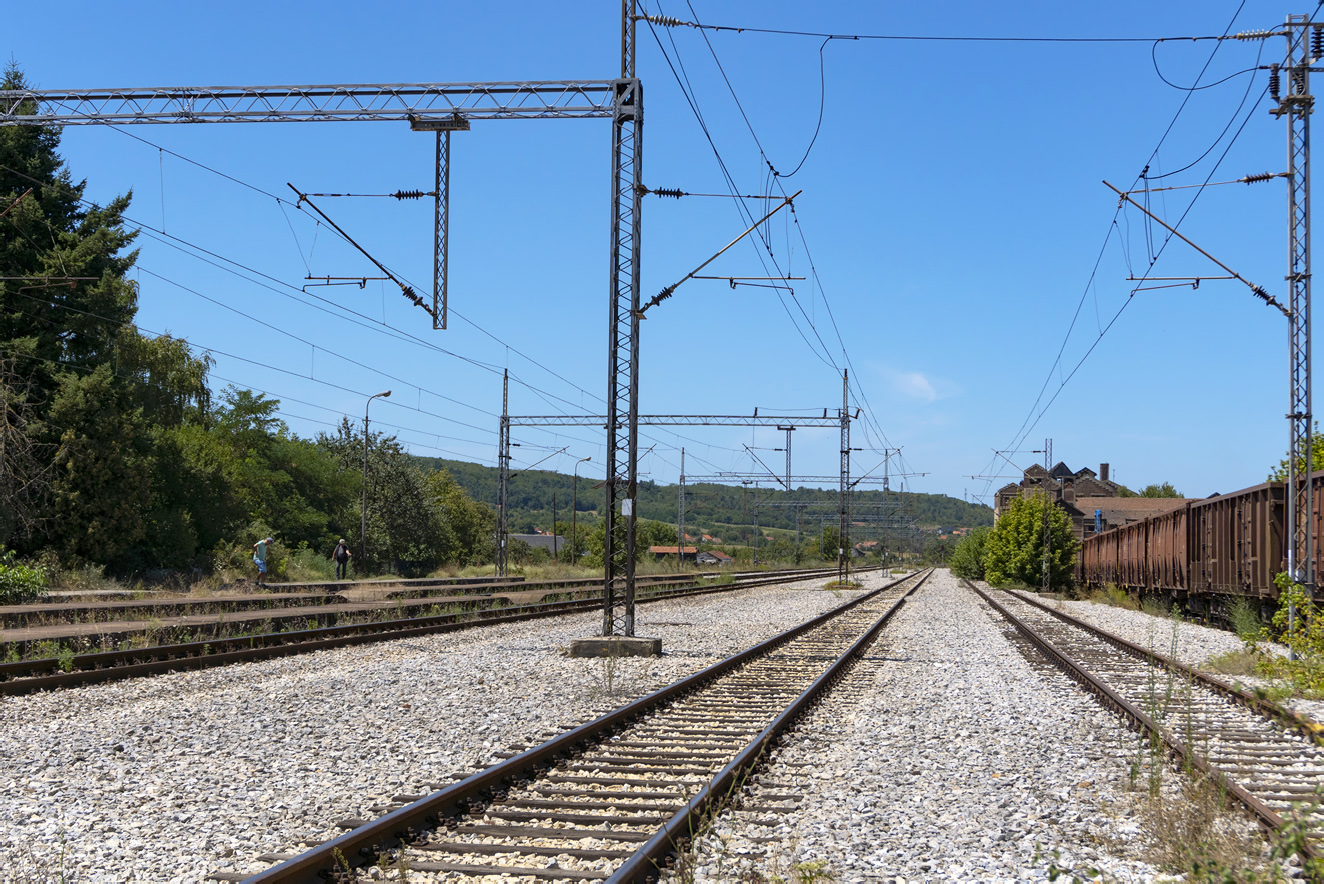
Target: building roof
(1120,510)
(719,555)
(539,541)
(672,550)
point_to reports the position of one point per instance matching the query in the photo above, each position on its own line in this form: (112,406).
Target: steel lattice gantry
(1304,44)
(444,107)
(621,609)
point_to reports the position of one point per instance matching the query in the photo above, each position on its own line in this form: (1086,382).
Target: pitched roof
(1121,510)
(539,541)
(672,550)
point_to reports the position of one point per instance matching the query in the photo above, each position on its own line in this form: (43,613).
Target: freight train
(1202,553)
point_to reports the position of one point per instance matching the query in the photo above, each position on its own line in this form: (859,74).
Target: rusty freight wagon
(1228,545)
(1236,543)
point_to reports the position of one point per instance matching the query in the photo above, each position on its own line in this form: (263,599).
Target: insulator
(1275,82)
(1317,41)
(675,192)
(1256,179)
(408,194)
(665,21)
(1252,35)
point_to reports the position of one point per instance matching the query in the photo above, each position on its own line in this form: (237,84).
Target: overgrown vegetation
(117,453)
(19,583)
(1014,548)
(967,560)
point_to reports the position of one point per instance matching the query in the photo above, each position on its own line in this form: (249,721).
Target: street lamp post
(574,515)
(363,539)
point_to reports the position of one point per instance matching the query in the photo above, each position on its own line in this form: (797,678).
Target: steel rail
(1141,721)
(107,666)
(367,842)
(1259,705)
(643,867)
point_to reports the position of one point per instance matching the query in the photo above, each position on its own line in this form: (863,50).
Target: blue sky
(953,209)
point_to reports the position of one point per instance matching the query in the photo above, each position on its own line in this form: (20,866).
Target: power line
(1026,426)
(668,22)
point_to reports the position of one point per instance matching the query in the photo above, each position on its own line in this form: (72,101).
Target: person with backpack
(341,556)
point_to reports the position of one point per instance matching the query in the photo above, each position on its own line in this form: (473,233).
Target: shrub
(19,583)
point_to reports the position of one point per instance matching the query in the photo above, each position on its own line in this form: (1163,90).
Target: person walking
(260,559)
(341,556)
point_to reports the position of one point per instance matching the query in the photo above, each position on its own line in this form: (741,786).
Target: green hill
(709,508)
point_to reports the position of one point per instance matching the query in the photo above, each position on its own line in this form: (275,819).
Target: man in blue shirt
(260,559)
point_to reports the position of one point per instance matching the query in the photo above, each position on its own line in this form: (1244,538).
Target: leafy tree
(405,528)
(1279,473)
(471,525)
(967,560)
(70,312)
(939,550)
(25,473)
(1014,549)
(103,469)
(1164,490)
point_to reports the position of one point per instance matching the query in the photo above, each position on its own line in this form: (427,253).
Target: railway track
(1264,756)
(612,799)
(27,676)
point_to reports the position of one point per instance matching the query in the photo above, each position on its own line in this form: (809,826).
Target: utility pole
(503,476)
(363,539)
(627,125)
(680,515)
(1048,502)
(789,430)
(1303,48)
(843,519)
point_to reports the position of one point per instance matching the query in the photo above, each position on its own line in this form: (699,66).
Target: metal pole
(363,538)
(1296,105)
(554,556)
(680,516)
(441,248)
(842,571)
(503,477)
(1048,539)
(574,514)
(623,340)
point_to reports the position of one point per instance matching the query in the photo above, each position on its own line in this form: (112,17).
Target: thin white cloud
(916,385)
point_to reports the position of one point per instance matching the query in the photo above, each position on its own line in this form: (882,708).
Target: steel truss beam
(402,102)
(675,420)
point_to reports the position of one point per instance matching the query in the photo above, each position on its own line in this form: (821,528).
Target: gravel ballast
(950,758)
(169,778)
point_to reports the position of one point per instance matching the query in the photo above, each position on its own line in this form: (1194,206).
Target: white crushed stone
(958,762)
(169,778)
(1196,645)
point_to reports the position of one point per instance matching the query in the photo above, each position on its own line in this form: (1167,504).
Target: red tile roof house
(687,554)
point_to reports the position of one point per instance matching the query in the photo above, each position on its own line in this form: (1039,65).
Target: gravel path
(1196,644)
(957,761)
(169,778)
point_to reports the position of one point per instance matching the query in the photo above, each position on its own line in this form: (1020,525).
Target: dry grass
(1238,662)
(1195,833)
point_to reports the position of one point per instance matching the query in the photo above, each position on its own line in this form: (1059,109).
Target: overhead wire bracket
(405,289)
(1256,289)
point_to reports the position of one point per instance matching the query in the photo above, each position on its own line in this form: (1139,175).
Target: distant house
(540,541)
(713,557)
(686,553)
